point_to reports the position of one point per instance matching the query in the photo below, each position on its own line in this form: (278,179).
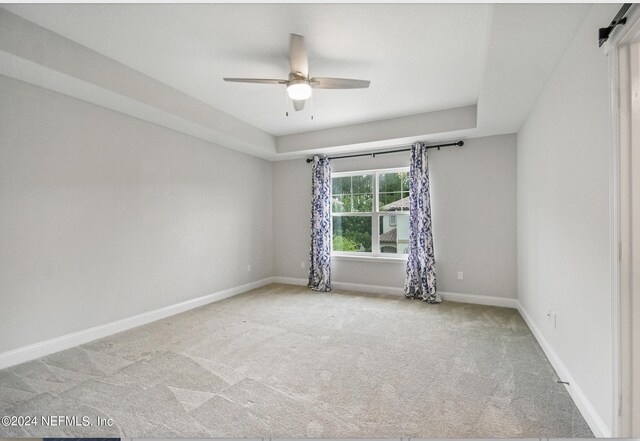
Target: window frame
(375,254)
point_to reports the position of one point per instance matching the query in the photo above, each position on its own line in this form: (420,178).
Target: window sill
(378,259)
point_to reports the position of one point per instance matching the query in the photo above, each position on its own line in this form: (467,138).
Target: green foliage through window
(352,233)
(352,194)
(343,244)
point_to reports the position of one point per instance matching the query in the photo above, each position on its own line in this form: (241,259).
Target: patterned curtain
(420,281)
(320,267)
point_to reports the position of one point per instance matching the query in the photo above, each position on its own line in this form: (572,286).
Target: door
(629,194)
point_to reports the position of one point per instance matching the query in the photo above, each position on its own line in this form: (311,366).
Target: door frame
(622,292)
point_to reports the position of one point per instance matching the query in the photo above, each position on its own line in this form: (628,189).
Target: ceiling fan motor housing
(297,76)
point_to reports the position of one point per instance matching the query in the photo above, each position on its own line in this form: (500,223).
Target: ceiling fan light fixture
(299,90)
(299,83)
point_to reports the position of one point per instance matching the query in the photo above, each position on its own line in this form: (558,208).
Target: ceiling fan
(299,84)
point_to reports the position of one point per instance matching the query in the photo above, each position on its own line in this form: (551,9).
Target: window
(370,212)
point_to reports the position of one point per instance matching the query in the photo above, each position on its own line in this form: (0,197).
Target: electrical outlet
(302,264)
(249,268)
(460,275)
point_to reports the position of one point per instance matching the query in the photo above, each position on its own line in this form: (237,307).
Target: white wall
(104,216)
(563,215)
(474,218)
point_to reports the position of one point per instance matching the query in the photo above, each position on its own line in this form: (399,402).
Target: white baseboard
(394,290)
(372,289)
(36,350)
(290,281)
(478,299)
(591,416)
(344,286)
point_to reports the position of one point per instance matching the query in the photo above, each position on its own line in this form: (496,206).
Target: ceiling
(420,58)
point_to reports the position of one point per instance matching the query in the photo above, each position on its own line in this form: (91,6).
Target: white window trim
(367,257)
(375,255)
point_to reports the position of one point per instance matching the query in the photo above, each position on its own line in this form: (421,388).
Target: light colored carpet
(283,361)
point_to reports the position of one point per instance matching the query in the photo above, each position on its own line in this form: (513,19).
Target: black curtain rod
(619,19)
(374,154)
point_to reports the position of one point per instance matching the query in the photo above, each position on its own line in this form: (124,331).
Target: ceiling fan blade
(255,80)
(298,105)
(298,55)
(338,83)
